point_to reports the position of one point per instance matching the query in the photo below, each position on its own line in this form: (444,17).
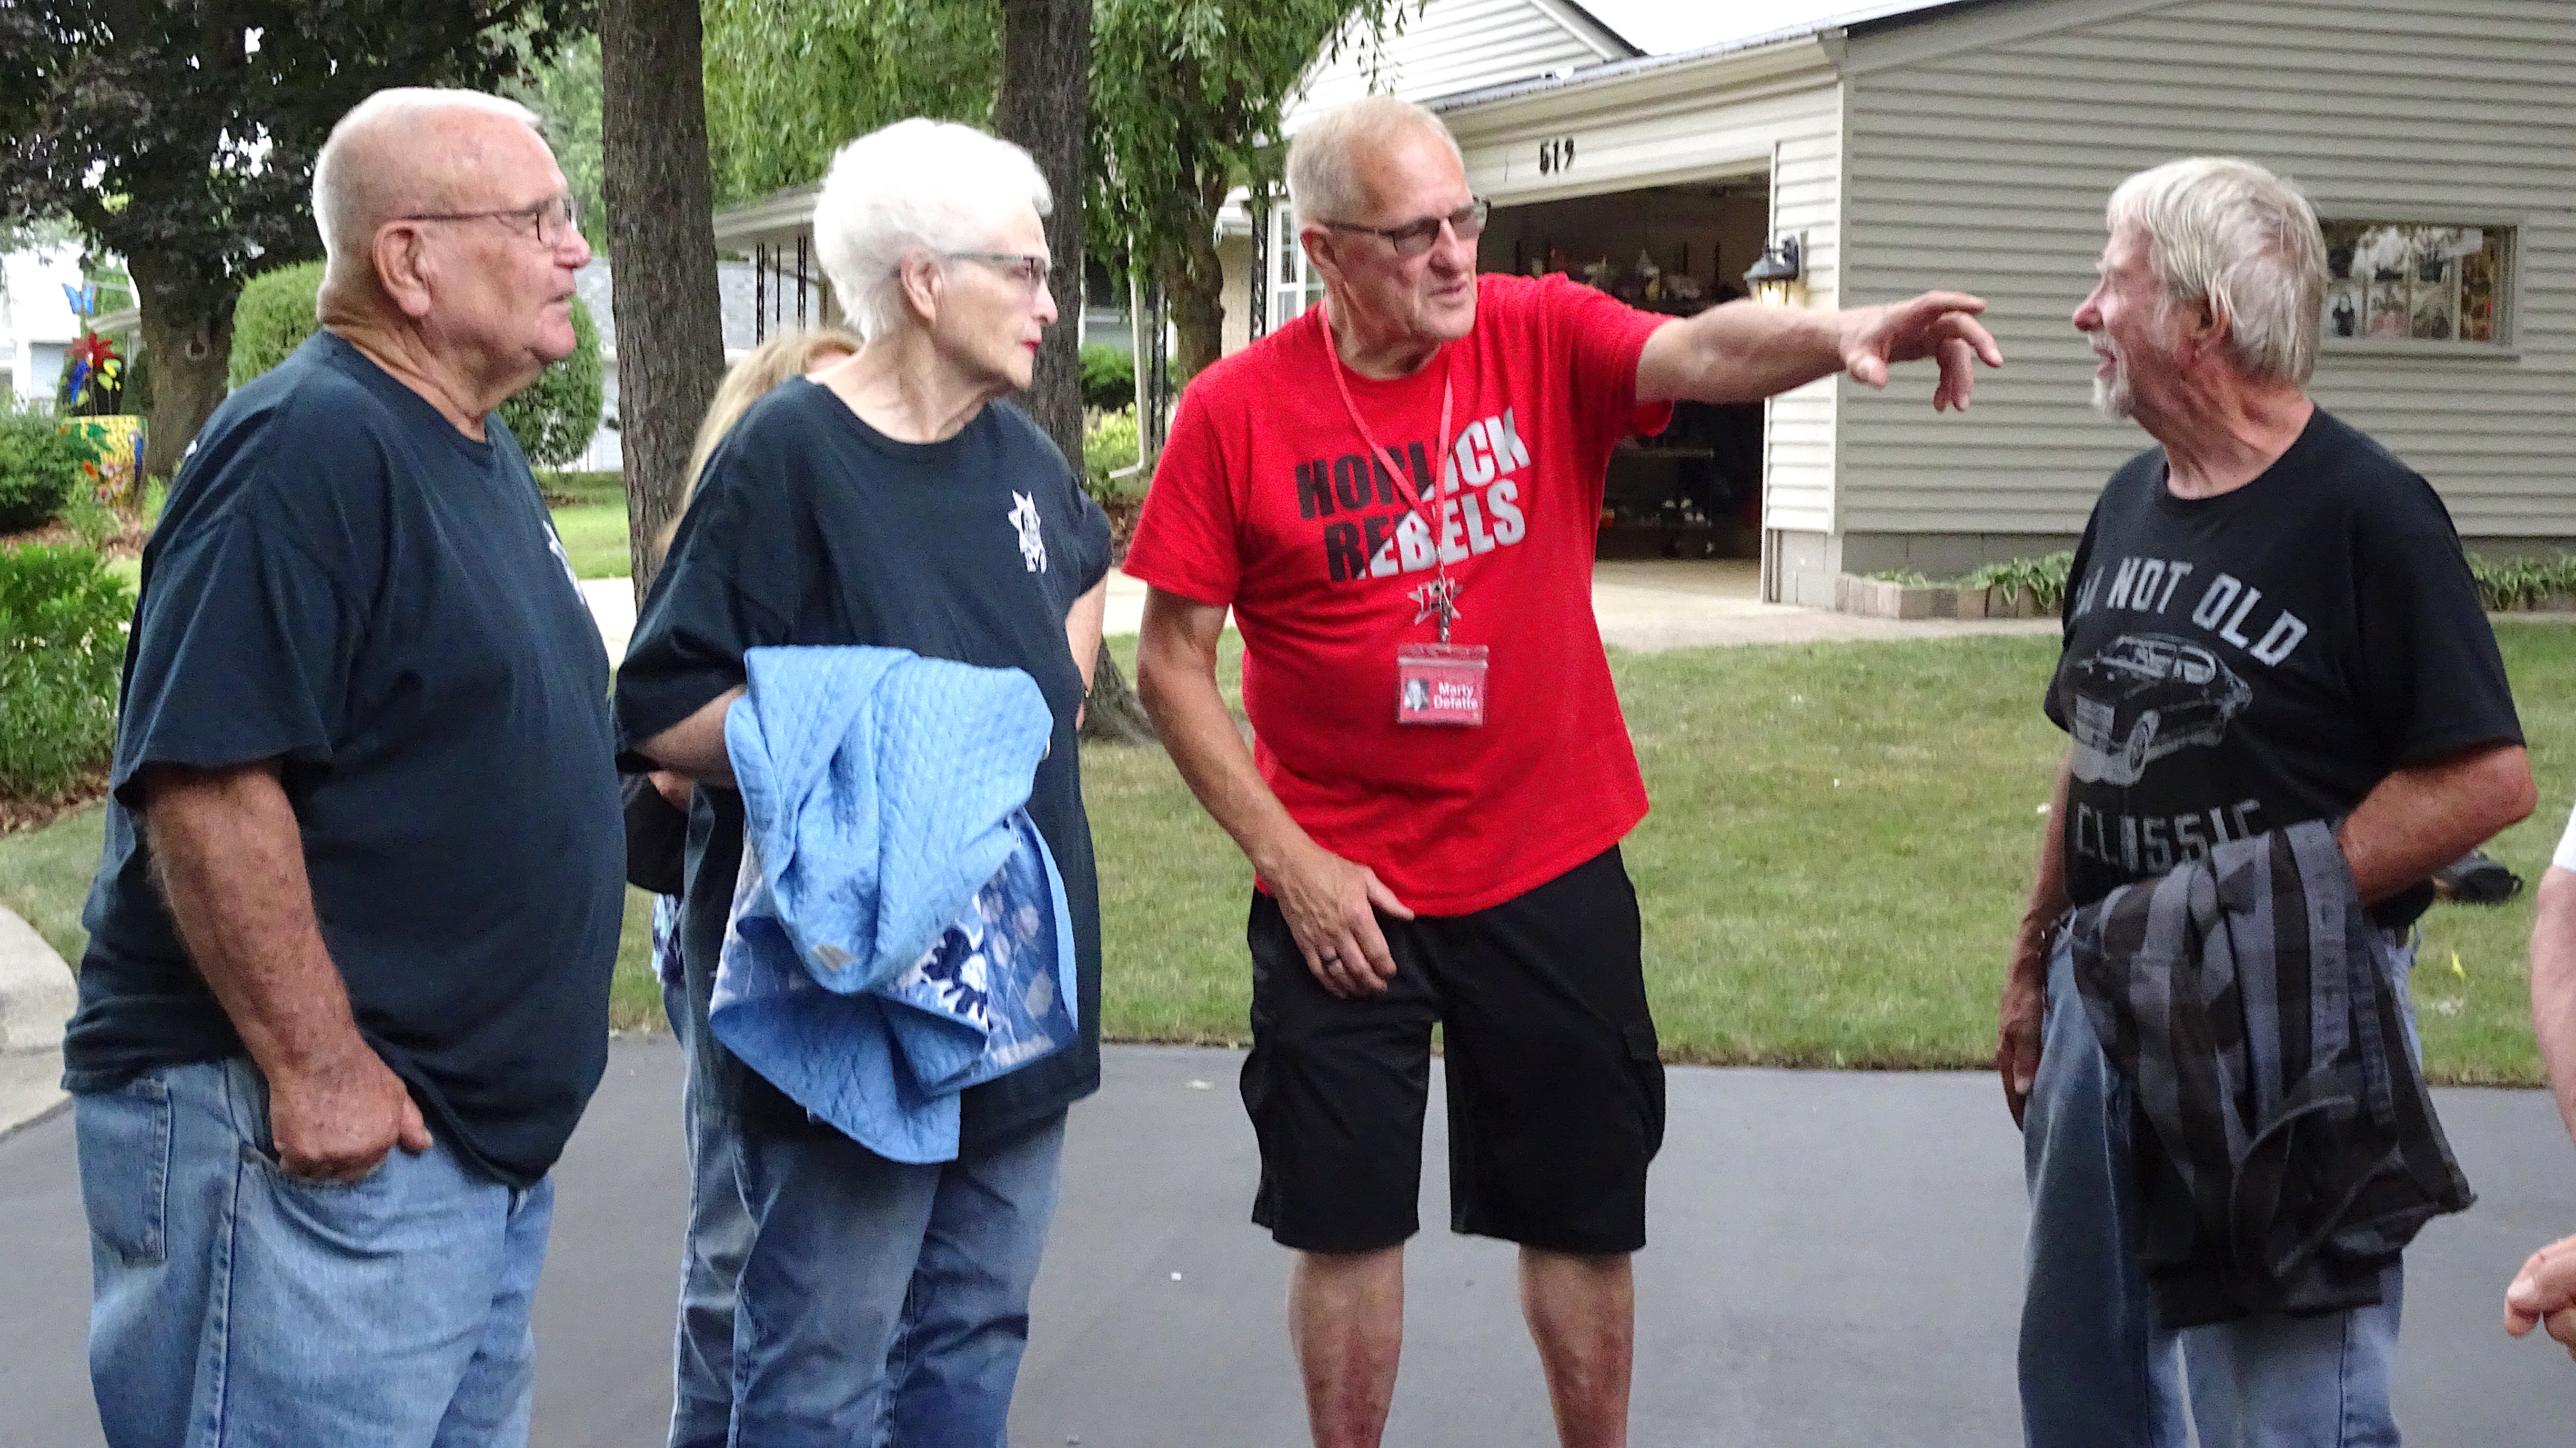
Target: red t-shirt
(1266,500)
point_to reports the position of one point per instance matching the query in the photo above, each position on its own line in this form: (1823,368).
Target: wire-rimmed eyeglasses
(1414,238)
(1027,269)
(551,220)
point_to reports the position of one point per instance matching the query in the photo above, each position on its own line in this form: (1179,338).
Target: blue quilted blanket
(899,931)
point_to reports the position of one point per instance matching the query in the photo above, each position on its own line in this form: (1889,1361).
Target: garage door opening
(1695,490)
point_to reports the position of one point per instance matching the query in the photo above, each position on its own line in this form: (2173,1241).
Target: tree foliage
(791,81)
(553,417)
(1187,96)
(565,95)
(182,138)
(1185,103)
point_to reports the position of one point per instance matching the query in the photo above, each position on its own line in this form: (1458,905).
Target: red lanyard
(1425,508)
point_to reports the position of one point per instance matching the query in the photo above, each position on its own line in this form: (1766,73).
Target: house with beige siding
(1971,144)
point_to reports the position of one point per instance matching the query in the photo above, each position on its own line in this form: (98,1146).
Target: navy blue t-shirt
(345,583)
(2264,657)
(812,528)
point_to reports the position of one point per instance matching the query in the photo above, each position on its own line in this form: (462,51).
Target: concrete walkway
(1835,1264)
(1643,605)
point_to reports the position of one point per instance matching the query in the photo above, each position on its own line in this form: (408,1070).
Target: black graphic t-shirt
(2242,663)
(812,528)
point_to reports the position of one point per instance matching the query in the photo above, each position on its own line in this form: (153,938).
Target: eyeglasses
(1413,239)
(1026,269)
(553,219)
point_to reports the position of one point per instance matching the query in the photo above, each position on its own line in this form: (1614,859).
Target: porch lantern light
(1774,279)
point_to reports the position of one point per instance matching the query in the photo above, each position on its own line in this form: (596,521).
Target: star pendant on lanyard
(1436,683)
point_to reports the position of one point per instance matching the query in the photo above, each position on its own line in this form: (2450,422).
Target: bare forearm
(2425,816)
(2553,986)
(1082,628)
(2047,887)
(1177,686)
(696,745)
(230,861)
(1746,351)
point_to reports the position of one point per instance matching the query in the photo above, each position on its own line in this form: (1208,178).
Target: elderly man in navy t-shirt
(346,987)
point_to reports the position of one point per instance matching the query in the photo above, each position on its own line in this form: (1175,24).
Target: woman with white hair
(891,500)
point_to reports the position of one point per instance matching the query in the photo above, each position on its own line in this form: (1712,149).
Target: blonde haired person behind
(719,1230)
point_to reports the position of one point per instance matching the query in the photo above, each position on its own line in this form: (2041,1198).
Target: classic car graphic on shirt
(2144,696)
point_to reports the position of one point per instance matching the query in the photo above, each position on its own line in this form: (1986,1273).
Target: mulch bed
(34,814)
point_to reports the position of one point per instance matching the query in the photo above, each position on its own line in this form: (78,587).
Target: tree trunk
(661,205)
(1195,283)
(1044,104)
(187,327)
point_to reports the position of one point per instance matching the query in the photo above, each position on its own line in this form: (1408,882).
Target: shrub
(553,417)
(1108,445)
(1108,378)
(272,318)
(40,467)
(63,617)
(2044,579)
(2510,583)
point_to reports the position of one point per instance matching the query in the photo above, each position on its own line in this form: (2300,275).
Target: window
(2405,282)
(1293,286)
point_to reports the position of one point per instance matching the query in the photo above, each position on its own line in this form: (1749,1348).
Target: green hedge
(553,417)
(40,467)
(1108,378)
(63,617)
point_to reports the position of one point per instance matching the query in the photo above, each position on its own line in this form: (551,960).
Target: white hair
(341,196)
(915,186)
(1324,158)
(2233,235)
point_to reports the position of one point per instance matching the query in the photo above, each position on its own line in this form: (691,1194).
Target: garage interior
(1695,490)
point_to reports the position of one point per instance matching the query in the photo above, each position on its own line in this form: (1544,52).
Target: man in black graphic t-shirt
(2270,621)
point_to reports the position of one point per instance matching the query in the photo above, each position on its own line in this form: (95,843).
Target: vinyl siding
(1450,47)
(1775,113)
(1801,445)
(1981,150)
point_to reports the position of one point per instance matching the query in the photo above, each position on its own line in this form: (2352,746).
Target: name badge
(1440,684)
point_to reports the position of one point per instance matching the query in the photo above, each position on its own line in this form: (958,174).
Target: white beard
(2112,396)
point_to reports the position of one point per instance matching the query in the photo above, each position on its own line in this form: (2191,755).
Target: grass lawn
(595,535)
(1840,841)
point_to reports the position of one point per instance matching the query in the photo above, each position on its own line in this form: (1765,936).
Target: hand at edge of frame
(2543,1293)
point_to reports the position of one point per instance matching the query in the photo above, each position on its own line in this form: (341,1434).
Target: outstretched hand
(1940,325)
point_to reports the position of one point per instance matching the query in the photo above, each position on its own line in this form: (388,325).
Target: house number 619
(1555,155)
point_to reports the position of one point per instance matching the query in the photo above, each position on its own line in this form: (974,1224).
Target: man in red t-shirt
(1397,496)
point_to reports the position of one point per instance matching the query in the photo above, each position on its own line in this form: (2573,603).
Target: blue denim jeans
(2096,1370)
(718,1237)
(884,1303)
(236,1305)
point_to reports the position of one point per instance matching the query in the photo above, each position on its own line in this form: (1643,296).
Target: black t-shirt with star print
(809,527)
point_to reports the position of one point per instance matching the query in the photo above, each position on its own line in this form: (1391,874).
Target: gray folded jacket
(2285,1144)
